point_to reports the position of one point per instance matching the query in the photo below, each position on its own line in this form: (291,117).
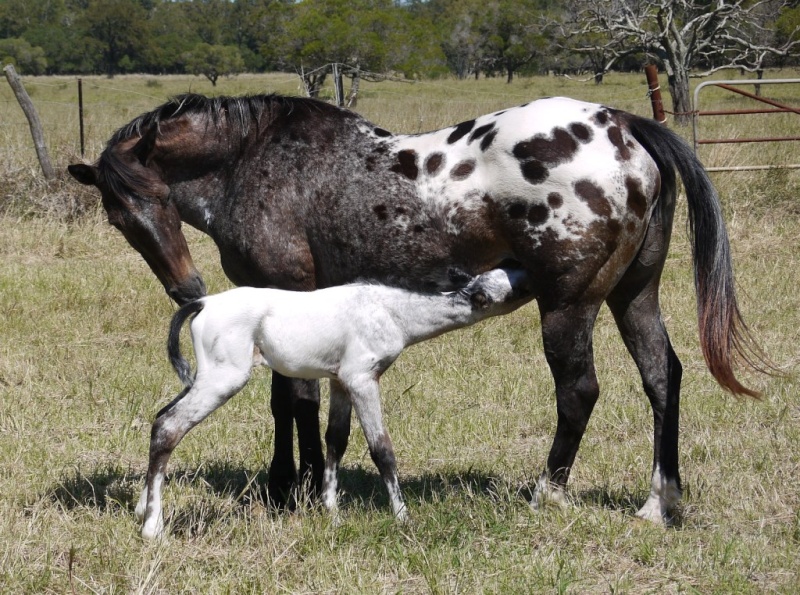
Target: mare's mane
(235,114)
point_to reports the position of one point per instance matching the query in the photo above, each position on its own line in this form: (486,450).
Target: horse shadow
(114,488)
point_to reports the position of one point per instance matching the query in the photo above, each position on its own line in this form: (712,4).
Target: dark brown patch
(461,130)
(601,117)
(614,226)
(463,169)
(593,196)
(516,210)
(407,164)
(400,210)
(550,151)
(534,171)
(488,140)
(381,132)
(434,163)
(418,228)
(630,227)
(582,132)
(615,136)
(538,214)
(555,200)
(480,131)
(637,200)
(380,211)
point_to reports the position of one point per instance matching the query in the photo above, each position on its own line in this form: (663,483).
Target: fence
(775,108)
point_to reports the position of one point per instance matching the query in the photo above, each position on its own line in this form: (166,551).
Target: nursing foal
(350,334)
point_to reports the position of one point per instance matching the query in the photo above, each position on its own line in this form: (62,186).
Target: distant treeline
(412,38)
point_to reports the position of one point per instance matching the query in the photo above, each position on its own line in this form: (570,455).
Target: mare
(299,194)
(350,334)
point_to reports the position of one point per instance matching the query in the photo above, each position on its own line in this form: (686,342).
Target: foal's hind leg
(567,337)
(208,393)
(336,438)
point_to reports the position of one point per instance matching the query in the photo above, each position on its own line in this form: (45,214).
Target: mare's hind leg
(634,303)
(336,438)
(208,393)
(567,337)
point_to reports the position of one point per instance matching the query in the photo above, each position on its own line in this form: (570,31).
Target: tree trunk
(313,83)
(352,96)
(681,102)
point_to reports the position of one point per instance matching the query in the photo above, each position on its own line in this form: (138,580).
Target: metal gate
(774,108)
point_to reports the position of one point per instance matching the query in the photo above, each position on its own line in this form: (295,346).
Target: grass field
(83,372)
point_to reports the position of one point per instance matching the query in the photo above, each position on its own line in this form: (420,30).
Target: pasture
(83,370)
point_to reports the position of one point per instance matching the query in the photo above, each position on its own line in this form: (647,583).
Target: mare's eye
(115,219)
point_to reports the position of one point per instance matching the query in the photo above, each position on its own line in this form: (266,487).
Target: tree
(511,38)
(213,61)
(363,36)
(171,38)
(681,35)
(118,29)
(26,58)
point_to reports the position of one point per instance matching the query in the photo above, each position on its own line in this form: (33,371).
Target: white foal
(350,334)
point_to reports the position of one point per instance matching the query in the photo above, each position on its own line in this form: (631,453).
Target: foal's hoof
(153,531)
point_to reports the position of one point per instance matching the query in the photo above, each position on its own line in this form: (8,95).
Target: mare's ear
(85,174)
(479,300)
(145,145)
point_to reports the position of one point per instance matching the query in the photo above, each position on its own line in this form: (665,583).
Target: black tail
(179,363)
(724,336)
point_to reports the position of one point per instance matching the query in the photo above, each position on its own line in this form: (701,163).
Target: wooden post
(80,113)
(651,72)
(33,121)
(338,85)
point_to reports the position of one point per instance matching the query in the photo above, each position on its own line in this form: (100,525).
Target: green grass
(83,371)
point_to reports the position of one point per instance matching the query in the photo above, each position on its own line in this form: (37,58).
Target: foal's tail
(724,336)
(179,363)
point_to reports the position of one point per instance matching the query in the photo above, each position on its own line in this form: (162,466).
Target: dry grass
(82,372)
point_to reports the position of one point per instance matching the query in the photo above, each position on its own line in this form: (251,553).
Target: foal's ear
(479,300)
(85,174)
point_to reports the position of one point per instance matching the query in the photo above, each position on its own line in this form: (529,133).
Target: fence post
(80,112)
(33,121)
(654,91)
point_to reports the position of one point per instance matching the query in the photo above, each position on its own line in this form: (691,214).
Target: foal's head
(499,291)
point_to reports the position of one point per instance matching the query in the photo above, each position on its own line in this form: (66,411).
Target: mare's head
(499,291)
(137,202)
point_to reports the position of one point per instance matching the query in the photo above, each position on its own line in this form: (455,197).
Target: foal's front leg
(336,438)
(365,396)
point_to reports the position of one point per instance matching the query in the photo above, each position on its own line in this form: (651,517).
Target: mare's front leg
(567,337)
(336,438)
(209,392)
(293,400)
(365,396)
